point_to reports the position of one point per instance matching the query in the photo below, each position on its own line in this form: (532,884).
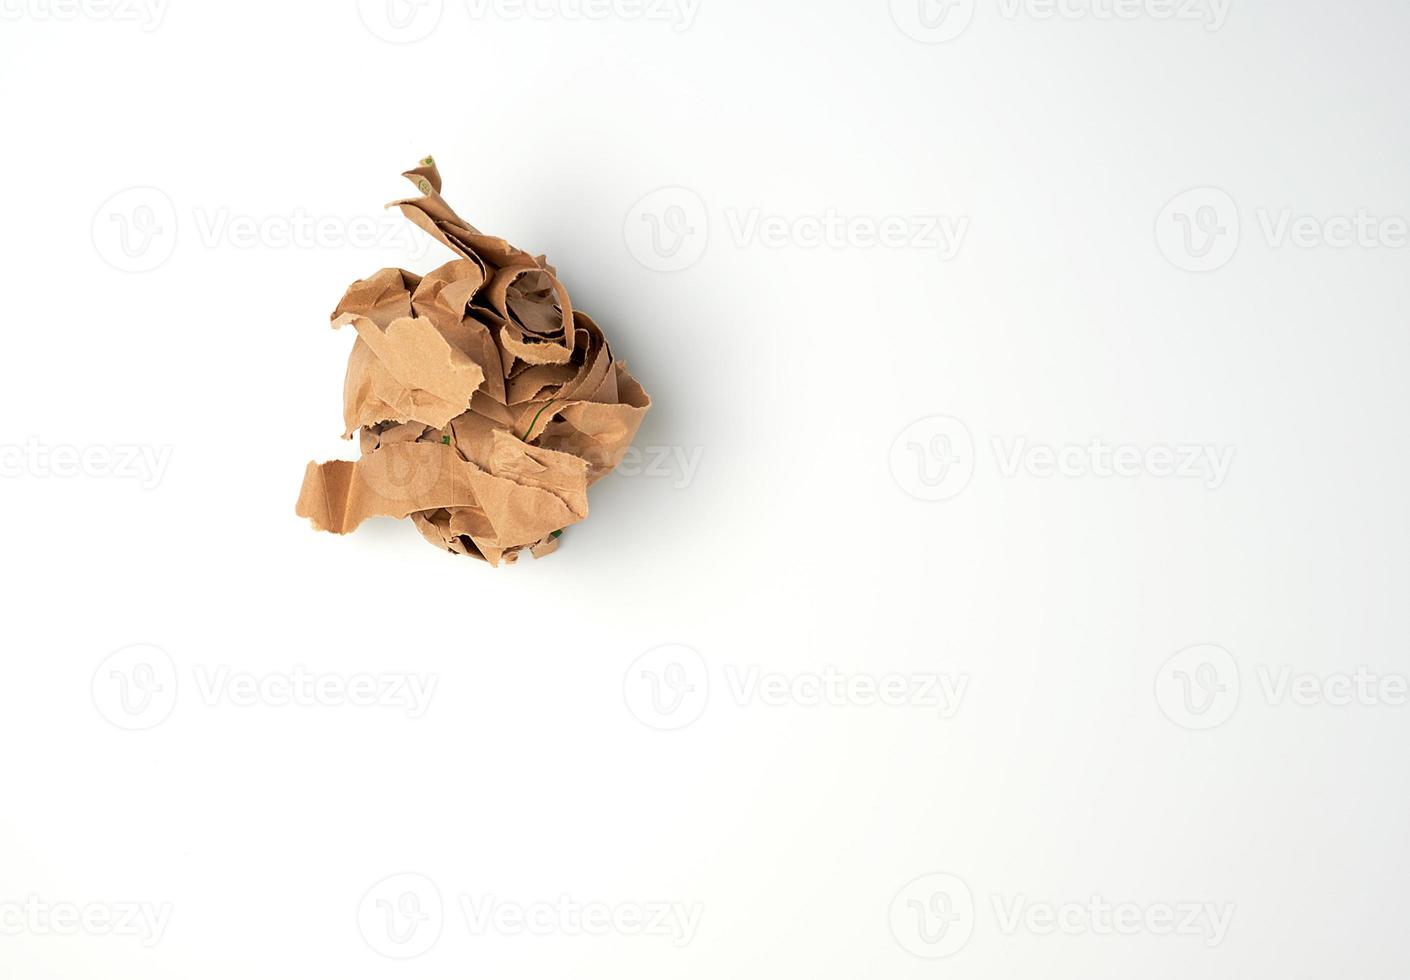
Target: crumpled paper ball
(485,404)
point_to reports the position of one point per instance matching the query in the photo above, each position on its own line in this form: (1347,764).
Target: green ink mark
(536,420)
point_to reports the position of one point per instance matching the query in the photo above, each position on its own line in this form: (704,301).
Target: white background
(1079,767)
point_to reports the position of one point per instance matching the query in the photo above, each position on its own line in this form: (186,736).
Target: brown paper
(484,403)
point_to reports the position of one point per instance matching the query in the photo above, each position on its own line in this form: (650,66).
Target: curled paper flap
(401,479)
(412,369)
